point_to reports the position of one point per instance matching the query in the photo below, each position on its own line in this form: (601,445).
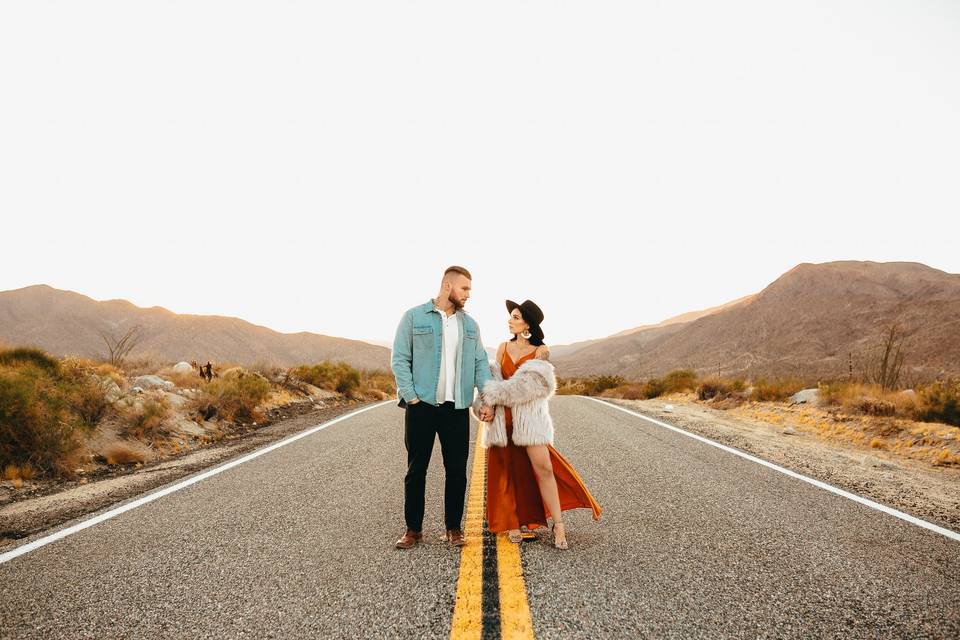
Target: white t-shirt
(448,356)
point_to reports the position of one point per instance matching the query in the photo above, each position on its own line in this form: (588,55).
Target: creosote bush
(235,398)
(332,376)
(45,407)
(940,402)
(720,388)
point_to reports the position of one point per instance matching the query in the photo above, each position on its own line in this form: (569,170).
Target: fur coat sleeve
(527,393)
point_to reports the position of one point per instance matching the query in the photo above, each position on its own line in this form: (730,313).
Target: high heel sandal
(563,544)
(515,535)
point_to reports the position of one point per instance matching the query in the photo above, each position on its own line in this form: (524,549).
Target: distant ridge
(567,349)
(806,323)
(65,322)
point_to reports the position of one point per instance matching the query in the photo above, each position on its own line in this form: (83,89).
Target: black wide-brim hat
(532,315)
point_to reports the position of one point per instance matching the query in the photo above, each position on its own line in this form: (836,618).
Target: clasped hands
(486,413)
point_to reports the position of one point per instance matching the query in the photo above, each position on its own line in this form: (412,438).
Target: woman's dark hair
(534,340)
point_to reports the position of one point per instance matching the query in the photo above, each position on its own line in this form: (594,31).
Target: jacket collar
(429,306)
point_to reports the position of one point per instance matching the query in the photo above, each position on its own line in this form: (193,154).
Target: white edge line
(63,533)
(793,474)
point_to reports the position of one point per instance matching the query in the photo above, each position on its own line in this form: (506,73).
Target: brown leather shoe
(409,539)
(455,538)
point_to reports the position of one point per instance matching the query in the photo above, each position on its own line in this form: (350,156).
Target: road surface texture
(298,542)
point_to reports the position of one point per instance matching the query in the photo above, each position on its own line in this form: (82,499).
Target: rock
(136,389)
(153,382)
(176,400)
(789,431)
(668,408)
(111,390)
(804,397)
(317,392)
(188,427)
(183,367)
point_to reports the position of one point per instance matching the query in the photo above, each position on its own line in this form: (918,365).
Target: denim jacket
(417,351)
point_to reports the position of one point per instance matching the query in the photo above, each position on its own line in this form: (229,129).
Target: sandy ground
(26,513)
(913,486)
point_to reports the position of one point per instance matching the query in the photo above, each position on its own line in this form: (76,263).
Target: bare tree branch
(886,363)
(119,348)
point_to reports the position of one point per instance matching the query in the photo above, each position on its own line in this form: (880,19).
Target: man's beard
(457,304)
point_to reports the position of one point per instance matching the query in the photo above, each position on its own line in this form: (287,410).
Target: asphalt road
(693,542)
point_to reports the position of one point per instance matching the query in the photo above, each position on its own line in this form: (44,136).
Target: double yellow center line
(491,593)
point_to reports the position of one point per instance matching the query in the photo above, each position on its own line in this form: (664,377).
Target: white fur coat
(526,393)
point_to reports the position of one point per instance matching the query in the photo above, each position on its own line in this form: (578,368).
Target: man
(438,360)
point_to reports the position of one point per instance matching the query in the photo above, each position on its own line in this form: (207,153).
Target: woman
(527,479)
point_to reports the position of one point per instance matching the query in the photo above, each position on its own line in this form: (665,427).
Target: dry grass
(144,417)
(185,380)
(278,398)
(933,443)
(377,384)
(25,471)
(868,399)
(102,369)
(571,387)
(141,366)
(121,452)
(775,390)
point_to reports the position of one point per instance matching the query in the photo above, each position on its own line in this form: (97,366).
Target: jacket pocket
(422,338)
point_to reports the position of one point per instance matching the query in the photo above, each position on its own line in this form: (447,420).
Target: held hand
(486,413)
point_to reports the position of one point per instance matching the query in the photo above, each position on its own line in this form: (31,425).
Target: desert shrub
(332,376)
(598,384)
(715,388)
(940,402)
(868,399)
(627,391)
(378,384)
(83,391)
(268,370)
(30,355)
(654,388)
(234,398)
(679,380)
(147,417)
(37,426)
(571,387)
(766,391)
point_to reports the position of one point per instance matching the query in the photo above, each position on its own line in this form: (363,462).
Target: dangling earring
(526,334)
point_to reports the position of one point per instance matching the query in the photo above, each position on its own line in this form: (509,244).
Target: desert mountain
(64,322)
(810,322)
(557,351)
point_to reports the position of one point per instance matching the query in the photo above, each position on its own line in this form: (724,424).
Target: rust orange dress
(513,496)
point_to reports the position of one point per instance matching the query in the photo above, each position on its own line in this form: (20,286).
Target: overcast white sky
(315,166)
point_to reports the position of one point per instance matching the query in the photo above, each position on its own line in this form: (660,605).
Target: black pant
(422,422)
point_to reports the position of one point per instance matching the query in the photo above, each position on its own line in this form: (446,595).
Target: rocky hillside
(807,323)
(64,322)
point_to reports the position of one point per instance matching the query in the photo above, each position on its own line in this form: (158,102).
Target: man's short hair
(456,269)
